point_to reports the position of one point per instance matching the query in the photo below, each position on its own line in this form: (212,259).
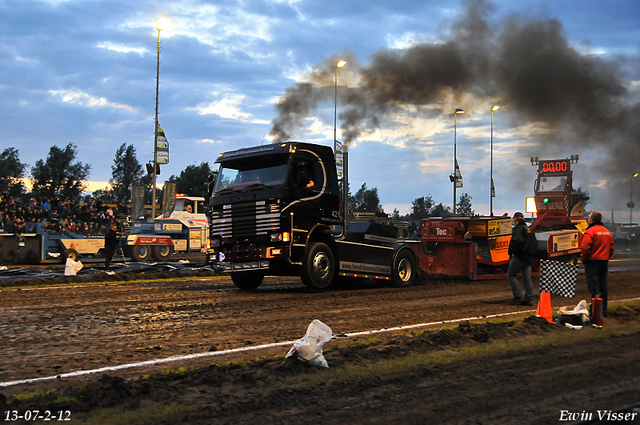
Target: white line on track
(240,350)
(255,348)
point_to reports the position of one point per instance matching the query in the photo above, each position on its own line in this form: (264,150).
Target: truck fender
(319,232)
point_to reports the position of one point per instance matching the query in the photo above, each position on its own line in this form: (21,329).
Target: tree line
(60,175)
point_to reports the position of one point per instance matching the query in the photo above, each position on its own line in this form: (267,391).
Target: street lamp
(630,204)
(339,64)
(454,178)
(160,25)
(491,195)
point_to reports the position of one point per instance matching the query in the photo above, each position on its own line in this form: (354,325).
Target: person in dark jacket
(595,251)
(110,244)
(520,262)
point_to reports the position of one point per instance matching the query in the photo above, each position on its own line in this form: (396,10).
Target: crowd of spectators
(57,216)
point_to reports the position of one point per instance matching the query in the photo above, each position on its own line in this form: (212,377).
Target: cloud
(78,97)
(229,108)
(228,29)
(120,48)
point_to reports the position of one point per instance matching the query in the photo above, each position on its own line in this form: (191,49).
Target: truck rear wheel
(405,271)
(247,280)
(141,252)
(318,267)
(161,252)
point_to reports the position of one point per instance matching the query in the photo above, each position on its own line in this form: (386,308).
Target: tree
(125,171)
(440,211)
(193,180)
(464,206)
(421,207)
(365,200)
(58,175)
(11,171)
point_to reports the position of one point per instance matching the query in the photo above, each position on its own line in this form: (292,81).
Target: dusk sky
(235,74)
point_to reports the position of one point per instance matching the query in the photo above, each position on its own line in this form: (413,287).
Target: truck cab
(276,210)
(266,203)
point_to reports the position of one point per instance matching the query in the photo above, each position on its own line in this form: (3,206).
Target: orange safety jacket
(597,243)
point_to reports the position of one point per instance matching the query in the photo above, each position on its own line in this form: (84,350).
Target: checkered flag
(559,278)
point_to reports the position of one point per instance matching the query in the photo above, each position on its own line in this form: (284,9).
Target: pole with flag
(458,176)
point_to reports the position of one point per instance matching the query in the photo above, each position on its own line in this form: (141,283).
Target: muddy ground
(514,370)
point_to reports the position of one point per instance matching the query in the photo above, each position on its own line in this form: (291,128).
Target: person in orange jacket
(595,251)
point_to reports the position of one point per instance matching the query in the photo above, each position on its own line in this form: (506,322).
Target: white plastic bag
(581,308)
(71,268)
(309,347)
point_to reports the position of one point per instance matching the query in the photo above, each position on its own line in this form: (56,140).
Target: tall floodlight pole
(455,157)
(159,27)
(631,204)
(493,109)
(339,64)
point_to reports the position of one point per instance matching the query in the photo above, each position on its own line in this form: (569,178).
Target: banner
(137,201)
(559,278)
(493,189)
(339,159)
(162,147)
(168,199)
(458,175)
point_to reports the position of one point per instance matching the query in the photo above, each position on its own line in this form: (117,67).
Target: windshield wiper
(223,191)
(257,186)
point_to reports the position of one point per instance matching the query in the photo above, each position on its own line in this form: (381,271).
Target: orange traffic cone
(544,306)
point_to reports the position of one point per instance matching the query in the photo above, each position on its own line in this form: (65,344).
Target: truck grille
(246,219)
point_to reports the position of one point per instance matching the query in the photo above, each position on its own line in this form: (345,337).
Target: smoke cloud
(525,65)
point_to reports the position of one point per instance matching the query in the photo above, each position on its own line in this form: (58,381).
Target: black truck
(278,210)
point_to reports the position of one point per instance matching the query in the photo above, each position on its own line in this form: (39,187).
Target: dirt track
(47,332)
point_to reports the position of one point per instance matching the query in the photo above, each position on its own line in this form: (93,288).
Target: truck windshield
(553,184)
(261,171)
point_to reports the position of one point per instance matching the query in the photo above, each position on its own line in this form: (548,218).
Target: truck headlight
(276,237)
(281,237)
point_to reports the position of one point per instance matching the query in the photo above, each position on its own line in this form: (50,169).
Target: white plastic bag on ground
(309,347)
(574,318)
(71,268)
(581,308)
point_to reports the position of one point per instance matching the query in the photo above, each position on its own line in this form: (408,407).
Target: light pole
(159,26)
(454,178)
(630,204)
(493,109)
(339,64)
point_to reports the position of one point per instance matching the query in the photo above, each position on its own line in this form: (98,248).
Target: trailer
(477,247)
(185,230)
(41,246)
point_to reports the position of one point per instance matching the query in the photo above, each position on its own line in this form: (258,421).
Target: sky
(236,74)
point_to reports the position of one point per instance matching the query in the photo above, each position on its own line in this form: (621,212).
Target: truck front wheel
(71,254)
(161,252)
(405,271)
(247,280)
(141,252)
(318,267)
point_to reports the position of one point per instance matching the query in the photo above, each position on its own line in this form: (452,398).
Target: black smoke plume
(525,65)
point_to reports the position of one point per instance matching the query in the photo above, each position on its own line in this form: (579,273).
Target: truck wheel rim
(404,270)
(321,265)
